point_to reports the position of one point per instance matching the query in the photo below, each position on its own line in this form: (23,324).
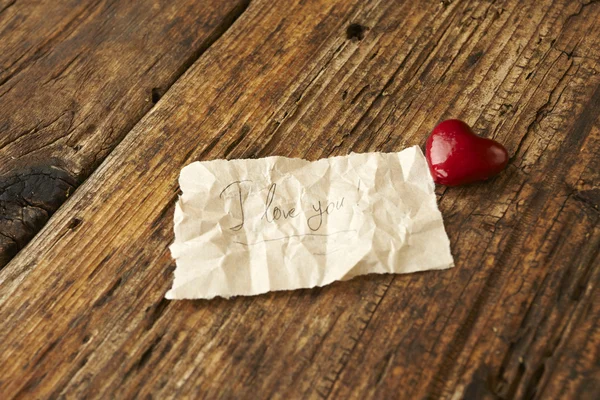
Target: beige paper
(245,227)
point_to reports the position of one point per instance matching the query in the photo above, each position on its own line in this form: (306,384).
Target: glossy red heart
(457,156)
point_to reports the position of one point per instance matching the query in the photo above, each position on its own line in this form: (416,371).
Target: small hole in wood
(473,58)
(355,31)
(74,223)
(156,95)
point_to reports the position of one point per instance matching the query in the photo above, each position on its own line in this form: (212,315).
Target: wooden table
(103,102)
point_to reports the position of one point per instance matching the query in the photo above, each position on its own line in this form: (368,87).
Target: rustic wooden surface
(75,77)
(518,317)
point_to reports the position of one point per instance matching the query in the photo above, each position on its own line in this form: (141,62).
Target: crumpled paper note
(245,227)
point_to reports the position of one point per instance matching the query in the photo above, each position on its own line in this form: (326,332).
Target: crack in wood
(8,5)
(348,352)
(108,141)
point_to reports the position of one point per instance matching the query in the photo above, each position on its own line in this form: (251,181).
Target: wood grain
(75,77)
(519,315)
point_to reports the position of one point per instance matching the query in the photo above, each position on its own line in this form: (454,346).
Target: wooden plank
(75,77)
(517,318)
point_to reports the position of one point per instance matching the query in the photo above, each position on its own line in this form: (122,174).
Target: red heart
(457,156)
